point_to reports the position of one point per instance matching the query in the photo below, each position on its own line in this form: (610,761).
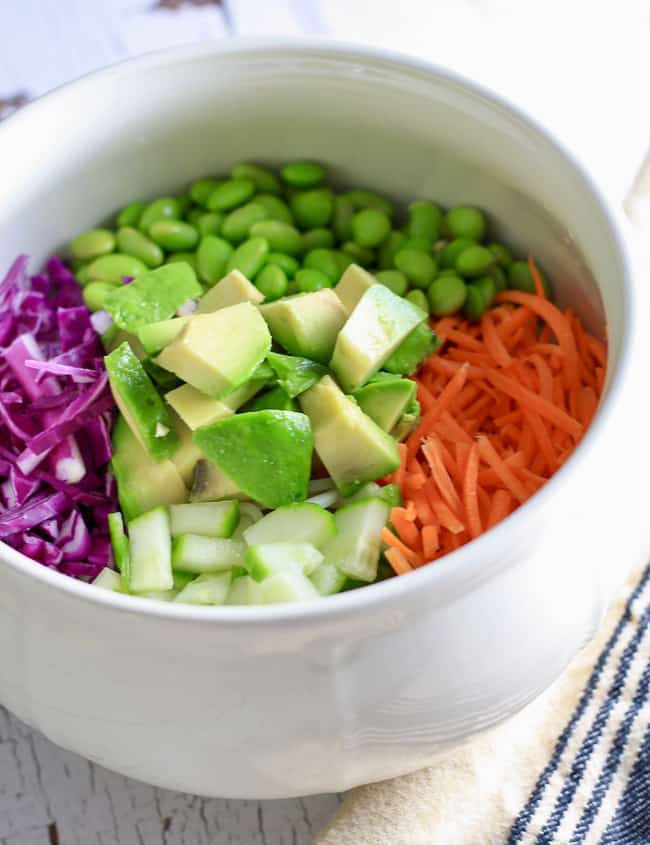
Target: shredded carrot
(432,453)
(493,342)
(398,561)
(537,279)
(430,540)
(499,508)
(391,540)
(408,533)
(470,493)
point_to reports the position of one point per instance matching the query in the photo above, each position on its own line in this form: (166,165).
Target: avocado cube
(354,283)
(306,324)
(210,484)
(231,290)
(277,398)
(218,352)
(353,448)
(379,323)
(385,401)
(195,408)
(417,346)
(155,336)
(408,421)
(293,374)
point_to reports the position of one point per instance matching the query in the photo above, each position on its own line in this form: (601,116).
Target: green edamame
(452,250)
(474,307)
(184,204)
(185,257)
(465,221)
(287,263)
(316,239)
(130,214)
(238,224)
(502,254)
(201,190)
(95,293)
(418,267)
(309,280)
(425,220)
(165,208)
(447,295)
(292,289)
(174,235)
(230,194)
(369,199)
(325,261)
(499,278)
(312,208)
(342,215)
(343,260)
(393,279)
(209,223)
(370,227)
(420,242)
(520,277)
(249,257)
(446,271)
(359,254)
(271,281)
(390,247)
(131,241)
(114,267)
(488,289)
(194,215)
(474,261)
(82,275)
(282,237)
(212,256)
(263,178)
(303,174)
(418,297)
(276,208)
(92,244)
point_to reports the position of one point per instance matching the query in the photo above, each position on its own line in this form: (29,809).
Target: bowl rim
(457,565)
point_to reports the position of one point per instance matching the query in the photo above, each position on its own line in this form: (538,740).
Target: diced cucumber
(328,579)
(108,579)
(288,586)
(371,490)
(244,524)
(251,511)
(206,589)
(182,579)
(164,595)
(266,560)
(121,549)
(392,493)
(209,519)
(151,565)
(245,590)
(194,553)
(300,523)
(355,549)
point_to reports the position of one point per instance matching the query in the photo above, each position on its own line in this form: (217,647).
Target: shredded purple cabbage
(56,408)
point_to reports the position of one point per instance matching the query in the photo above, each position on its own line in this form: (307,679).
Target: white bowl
(278,701)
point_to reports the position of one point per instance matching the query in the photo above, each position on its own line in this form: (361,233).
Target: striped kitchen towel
(573,768)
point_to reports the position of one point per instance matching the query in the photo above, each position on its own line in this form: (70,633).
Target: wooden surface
(49,796)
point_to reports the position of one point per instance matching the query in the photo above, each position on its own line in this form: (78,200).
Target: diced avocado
(265,453)
(276,398)
(355,548)
(210,484)
(206,589)
(288,586)
(155,336)
(419,344)
(352,447)
(295,375)
(307,324)
(303,522)
(210,519)
(216,353)
(163,379)
(188,453)
(384,401)
(196,553)
(120,546)
(268,559)
(376,327)
(231,290)
(114,337)
(140,404)
(151,566)
(142,483)
(354,283)
(408,421)
(153,296)
(195,408)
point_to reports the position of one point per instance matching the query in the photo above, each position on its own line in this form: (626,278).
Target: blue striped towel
(572,769)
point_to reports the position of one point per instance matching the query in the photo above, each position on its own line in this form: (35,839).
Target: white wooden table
(581,67)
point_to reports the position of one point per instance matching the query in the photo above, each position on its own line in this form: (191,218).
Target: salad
(267,391)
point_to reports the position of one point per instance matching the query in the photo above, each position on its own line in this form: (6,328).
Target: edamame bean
(465,221)
(249,257)
(131,214)
(475,306)
(212,257)
(185,257)
(210,223)
(343,260)
(313,208)
(316,239)
(393,279)
(390,247)
(474,261)
(276,208)
(184,204)
(418,297)
(271,281)
(369,199)
(521,278)
(359,254)
(452,250)
(446,271)
(202,189)
(92,244)
(447,295)
(132,242)
(499,278)
(488,289)
(282,237)
(194,215)
(287,263)
(263,178)
(303,174)
(342,218)
(425,220)
(174,235)
(82,275)
(165,208)
(419,242)
(238,224)
(113,268)
(94,294)
(502,254)
(370,227)
(324,260)
(231,194)
(309,280)
(418,267)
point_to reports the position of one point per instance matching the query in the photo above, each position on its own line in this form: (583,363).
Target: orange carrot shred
(470,493)
(430,540)
(391,540)
(398,561)
(537,279)
(499,507)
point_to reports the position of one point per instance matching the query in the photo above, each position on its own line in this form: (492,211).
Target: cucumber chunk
(267,560)
(303,522)
(245,590)
(206,589)
(289,586)
(355,549)
(194,553)
(121,549)
(108,579)
(209,519)
(151,565)
(328,579)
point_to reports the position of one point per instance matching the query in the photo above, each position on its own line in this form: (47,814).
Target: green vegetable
(202,189)
(275,399)
(130,215)
(393,279)
(325,261)
(447,295)
(303,522)
(465,222)
(249,257)
(316,239)
(415,347)
(174,235)
(303,174)
(276,208)
(474,261)
(281,237)
(197,553)
(92,244)
(369,199)
(263,178)
(287,263)
(370,227)
(521,278)
(313,208)
(132,242)
(502,254)
(488,289)
(418,267)
(229,195)
(389,249)
(295,374)
(212,257)
(266,560)
(120,545)
(150,540)
(114,268)
(312,280)
(210,222)
(209,519)
(165,208)
(359,254)
(342,215)
(355,548)
(206,589)
(95,293)
(452,250)
(425,220)
(418,297)
(271,281)
(239,223)
(474,304)
(183,258)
